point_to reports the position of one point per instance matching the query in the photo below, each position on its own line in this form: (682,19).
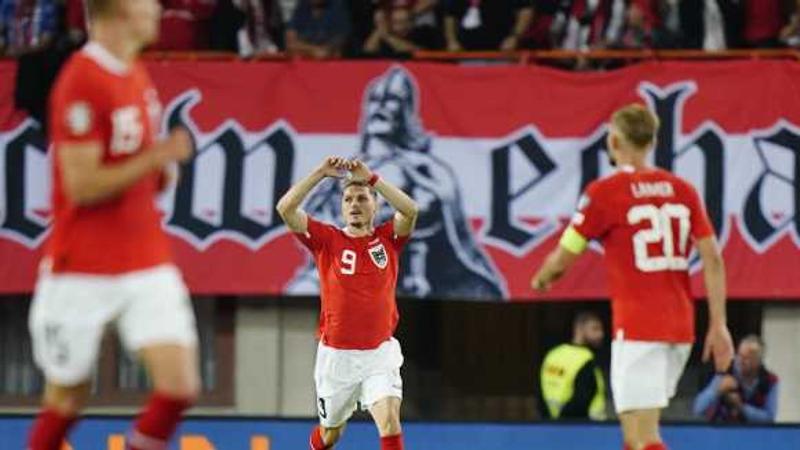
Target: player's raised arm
(86,180)
(718,344)
(405,219)
(289,205)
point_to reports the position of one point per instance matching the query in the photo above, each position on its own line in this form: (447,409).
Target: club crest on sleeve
(79,118)
(379,256)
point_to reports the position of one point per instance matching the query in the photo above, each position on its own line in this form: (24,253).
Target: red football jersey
(358,277)
(98,99)
(646,221)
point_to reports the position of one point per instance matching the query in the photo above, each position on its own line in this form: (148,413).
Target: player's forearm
(552,269)
(294,197)
(86,188)
(714,277)
(399,200)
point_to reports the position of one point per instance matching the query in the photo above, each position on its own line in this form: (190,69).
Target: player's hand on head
(333,166)
(719,347)
(359,170)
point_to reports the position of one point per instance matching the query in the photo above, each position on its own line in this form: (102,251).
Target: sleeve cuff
(572,241)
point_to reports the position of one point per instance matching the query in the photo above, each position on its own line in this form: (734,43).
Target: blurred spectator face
(144,17)
(635,16)
(400,22)
(749,355)
(590,332)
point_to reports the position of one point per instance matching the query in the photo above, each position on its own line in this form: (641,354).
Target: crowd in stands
(395,28)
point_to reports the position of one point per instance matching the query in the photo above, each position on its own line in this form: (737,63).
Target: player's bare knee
(67,400)
(185,388)
(174,371)
(390,426)
(387,419)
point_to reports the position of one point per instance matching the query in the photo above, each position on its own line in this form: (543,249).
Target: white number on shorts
(323,412)
(660,230)
(348,262)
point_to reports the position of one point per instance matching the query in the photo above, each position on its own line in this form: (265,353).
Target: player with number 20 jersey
(647,220)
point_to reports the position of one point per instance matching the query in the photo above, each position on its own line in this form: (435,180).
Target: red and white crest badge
(379,255)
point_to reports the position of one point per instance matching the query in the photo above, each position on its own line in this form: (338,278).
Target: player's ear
(611,140)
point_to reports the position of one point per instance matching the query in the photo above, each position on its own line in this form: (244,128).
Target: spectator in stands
(705,24)
(394,36)
(762,23)
(185,25)
(634,30)
(539,33)
(318,29)
(790,34)
(262,27)
(247,27)
(486,24)
(27,25)
(572,384)
(749,393)
(422,15)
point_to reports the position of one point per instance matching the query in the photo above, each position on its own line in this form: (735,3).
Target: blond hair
(637,124)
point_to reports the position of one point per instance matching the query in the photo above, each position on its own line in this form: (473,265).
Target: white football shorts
(645,375)
(70,312)
(347,379)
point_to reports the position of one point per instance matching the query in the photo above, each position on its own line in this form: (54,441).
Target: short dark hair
(349,182)
(583,317)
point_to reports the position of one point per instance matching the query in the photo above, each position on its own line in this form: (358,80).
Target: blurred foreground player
(645,218)
(108,259)
(358,360)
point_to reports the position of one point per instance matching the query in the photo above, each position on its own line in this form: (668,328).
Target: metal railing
(523,56)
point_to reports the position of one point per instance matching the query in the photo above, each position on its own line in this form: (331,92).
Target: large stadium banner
(496,157)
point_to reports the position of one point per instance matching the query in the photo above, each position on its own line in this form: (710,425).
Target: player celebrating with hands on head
(358,361)
(645,217)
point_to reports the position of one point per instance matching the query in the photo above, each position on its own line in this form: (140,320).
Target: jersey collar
(105,59)
(627,168)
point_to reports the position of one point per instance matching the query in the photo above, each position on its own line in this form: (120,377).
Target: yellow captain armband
(572,241)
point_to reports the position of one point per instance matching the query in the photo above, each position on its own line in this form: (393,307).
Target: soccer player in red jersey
(358,360)
(647,220)
(108,259)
